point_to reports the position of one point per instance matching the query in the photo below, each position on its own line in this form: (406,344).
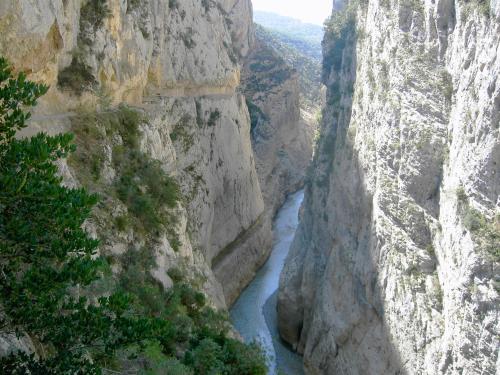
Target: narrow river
(254,313)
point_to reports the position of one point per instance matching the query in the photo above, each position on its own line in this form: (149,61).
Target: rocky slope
(176,64)
(305,37)
(281,132)
(308,67)
(395,266)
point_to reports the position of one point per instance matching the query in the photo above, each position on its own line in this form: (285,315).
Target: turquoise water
(254,313)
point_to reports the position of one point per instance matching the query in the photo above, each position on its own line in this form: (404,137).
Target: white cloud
(312,11)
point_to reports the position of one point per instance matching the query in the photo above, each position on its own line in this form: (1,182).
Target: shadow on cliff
(332,310)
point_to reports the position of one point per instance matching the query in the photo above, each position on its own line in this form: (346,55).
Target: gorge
(198,130)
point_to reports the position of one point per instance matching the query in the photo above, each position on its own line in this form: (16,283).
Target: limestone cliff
(176,64)
(395,266)
(281,131)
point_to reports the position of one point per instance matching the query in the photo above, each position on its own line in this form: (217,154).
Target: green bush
(257,116)
(483,7)
(474,220)
(94,12)
(134,5)
(175,274)
(462,195)
(145,189)
(214,117)
(140,183)
(200,330)
(485,232)
(187,38)
(76,77)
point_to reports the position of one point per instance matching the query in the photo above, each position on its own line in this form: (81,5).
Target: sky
(312,11)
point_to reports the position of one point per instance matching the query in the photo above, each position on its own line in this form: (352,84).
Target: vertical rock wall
(281,136)
(394,268)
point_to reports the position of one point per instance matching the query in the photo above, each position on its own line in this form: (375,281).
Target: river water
(254,313)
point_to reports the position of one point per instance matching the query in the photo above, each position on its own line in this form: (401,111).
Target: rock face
(281,135)
(177,63)
(395,266)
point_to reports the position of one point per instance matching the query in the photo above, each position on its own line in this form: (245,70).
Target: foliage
(214,117)
(94,12)
(206,5)
(181,133)
(257,117)
(484,231)
(483,7)
(134,5)
(45,255)
(300,57)
(338,28)
(198,329)
(303,36)
(140,182)
(49,264)
(268,70)
(187,38)
(77,77)
(447,85)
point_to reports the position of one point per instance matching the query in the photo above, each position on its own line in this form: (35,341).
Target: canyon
(394,267)
(178,64)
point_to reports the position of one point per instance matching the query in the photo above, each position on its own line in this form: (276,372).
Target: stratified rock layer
(395,265)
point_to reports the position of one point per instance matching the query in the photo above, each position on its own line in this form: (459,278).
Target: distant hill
(304,36)
(298,57)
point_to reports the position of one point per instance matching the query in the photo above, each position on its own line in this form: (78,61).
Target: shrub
(214,117)
(199,114)
(134,5)
(483,7)
(140,182)
(187,38)
(337,29)
(257,116)
(485,232)
(76,77)
(462,195)
(175,274)
(199,329)
(474,220)
(94,12)
(122,223)
(447,85)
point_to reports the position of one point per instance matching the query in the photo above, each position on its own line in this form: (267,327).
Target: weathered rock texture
(177,63)
(281,135)
(395,266)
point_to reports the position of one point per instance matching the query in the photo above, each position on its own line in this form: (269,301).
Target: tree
(48,262)
(45,256)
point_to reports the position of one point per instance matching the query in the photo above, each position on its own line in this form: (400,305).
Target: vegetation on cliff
(304,37)
(307,65)
(51,271)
